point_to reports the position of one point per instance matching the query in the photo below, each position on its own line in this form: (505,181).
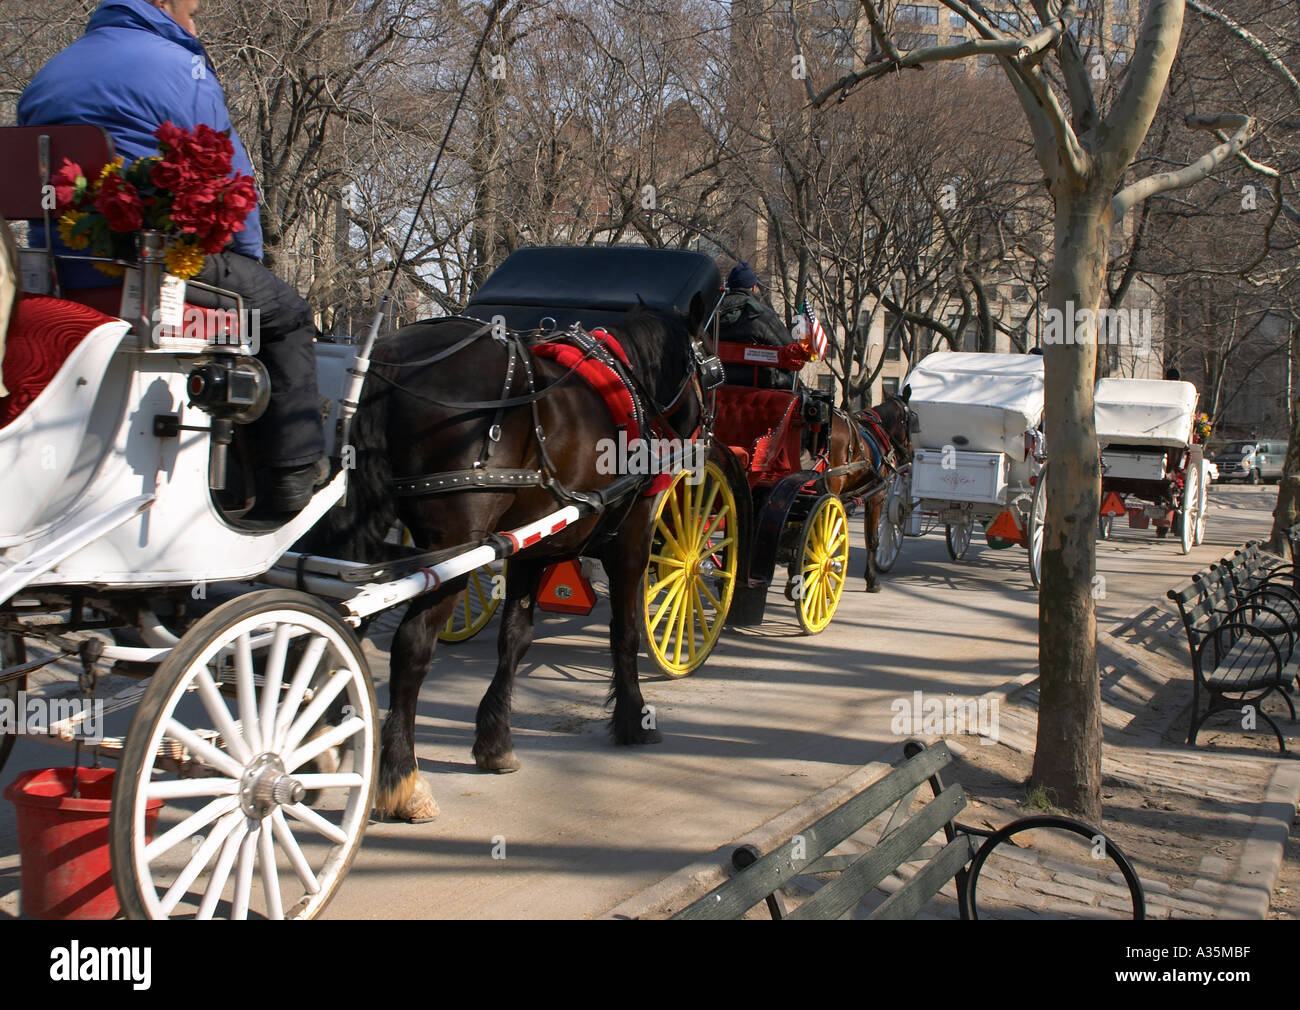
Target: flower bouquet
(1202,425)
(188,193)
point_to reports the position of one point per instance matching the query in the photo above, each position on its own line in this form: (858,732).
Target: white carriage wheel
(893,523)
(1037,527)
(279,789)
(957,536)
(1205,504)
(1191,510)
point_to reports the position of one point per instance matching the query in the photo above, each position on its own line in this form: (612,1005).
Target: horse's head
(898,420)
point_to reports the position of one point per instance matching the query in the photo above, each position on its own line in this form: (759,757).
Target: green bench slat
(732,898)
(840,895)
(929,881)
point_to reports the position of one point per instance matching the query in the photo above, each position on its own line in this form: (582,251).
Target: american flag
(814,331)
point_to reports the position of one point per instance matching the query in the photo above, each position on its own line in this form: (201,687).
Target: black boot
(291,488)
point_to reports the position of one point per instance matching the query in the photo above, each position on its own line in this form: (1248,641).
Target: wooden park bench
(905,839)
(1242,644)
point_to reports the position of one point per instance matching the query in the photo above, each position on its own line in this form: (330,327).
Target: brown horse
(880,437)
(431,408)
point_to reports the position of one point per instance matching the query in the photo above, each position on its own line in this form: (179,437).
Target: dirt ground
(1167,834)
(1162,834)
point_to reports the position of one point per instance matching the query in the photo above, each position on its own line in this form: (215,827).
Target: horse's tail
(357,529)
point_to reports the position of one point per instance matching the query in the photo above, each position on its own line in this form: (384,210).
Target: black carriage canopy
(593,285)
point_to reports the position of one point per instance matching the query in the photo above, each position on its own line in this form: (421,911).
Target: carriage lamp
(233,390)
(712,374)
(816,411)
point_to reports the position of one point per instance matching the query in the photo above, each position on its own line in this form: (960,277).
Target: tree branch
(1126,125)
(1253,41)
(1162,182)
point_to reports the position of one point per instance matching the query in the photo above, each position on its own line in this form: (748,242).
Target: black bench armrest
(1098,840)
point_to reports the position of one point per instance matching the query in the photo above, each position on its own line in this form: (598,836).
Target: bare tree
(1085,144)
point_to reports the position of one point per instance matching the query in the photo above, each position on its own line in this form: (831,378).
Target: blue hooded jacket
(134,69)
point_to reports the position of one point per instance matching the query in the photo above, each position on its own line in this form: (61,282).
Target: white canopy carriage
(1149,454)
(978,453)
(120,535)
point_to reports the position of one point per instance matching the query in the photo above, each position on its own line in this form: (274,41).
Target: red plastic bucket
(63,842)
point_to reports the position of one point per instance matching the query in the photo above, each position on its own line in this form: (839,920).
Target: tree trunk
(1067,759)
(1287,512)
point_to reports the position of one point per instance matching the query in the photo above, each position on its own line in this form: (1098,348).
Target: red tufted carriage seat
(43,333)
(760,428)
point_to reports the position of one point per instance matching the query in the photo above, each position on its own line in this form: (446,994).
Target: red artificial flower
(120,204)
(170,175)
(64,182)
(238,201)
(210,151)
(170,135)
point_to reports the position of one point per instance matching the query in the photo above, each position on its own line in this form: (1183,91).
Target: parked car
(1251,462)
(1271,456)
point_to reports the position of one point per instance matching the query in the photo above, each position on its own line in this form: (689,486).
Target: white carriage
(1153,468)
(244,719)
(979,455)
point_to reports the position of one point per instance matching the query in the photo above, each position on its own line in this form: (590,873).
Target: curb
(1250,891)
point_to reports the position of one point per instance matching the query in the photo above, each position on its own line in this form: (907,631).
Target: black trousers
(290,432)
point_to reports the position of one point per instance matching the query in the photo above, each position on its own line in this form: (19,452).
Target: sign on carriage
(171,299)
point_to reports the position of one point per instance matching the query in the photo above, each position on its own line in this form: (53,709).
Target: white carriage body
(960,476)
(98,499)
(1145,412)
(974,410)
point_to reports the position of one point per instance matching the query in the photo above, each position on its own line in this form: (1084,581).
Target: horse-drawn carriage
(979,455)
(1153,466)
(244,718)
(769,493)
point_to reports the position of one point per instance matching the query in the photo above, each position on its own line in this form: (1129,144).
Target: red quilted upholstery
(42,333)
(759,426)
(217,324)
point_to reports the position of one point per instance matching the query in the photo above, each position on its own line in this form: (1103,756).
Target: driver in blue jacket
(140,64)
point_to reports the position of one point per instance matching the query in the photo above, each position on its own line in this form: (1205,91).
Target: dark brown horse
(881,437)
(422,417)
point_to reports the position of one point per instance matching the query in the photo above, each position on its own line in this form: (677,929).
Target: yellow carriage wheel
(823,564)
(692,572)
(482,596)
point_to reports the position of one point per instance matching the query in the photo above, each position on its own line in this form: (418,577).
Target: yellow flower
(111,168)
(66,223)
(184,259)
(110,269)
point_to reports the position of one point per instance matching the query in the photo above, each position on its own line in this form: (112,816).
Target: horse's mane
(658,347)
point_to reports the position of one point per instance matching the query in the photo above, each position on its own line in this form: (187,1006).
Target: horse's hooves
(500,764)
(419,806)
(873,588)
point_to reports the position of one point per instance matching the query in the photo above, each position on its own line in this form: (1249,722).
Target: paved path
(773,718)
